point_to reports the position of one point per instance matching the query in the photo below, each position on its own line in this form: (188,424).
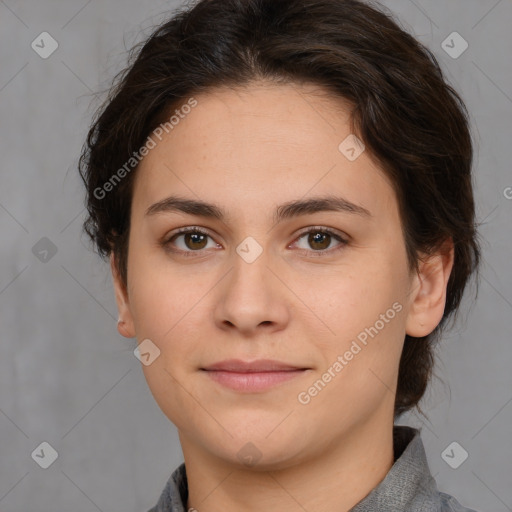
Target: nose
(252,298)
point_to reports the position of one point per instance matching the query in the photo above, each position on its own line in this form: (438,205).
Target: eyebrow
(287,210)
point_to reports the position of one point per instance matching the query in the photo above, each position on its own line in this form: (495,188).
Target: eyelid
(166,239)
(342,238)
(324,229)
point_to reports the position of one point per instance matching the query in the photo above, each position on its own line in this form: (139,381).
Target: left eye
(195,239)
(320,239)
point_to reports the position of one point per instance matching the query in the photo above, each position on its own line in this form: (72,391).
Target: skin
(249,150)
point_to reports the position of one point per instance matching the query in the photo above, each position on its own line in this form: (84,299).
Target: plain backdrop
(69,379)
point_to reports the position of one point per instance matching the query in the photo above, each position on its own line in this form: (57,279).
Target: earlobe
(429,291)
(125,324)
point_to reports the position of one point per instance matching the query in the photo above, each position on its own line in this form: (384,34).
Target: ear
(125,324)
(428,291)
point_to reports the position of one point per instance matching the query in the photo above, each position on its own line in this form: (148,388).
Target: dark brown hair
(411,120)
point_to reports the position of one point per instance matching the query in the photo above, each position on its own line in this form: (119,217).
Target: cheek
(168,310)
(351,297)
(364,309)
(158,297)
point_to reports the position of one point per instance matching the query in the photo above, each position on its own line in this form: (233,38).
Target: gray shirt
(408,486)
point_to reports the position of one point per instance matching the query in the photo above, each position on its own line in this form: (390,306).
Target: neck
(334,480)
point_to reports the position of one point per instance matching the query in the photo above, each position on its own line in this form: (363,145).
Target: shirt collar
(408,486)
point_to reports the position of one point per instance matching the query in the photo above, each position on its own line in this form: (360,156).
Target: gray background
(67,377)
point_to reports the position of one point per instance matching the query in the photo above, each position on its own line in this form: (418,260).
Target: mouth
(259,365)
(252,376)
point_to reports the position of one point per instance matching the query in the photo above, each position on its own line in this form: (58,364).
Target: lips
(261,365)
(252,377)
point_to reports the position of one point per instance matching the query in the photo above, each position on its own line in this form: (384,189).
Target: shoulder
(450,504)
(174,496)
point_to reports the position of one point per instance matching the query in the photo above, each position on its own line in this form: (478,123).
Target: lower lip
(257,381)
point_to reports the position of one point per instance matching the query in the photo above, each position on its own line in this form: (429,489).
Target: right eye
(194,240)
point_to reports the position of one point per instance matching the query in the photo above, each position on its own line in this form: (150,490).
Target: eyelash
(166,243)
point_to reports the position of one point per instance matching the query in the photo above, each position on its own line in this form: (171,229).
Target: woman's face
(268,281)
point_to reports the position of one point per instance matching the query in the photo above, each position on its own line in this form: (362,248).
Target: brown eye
(195,240)
(187,241)
(319,241)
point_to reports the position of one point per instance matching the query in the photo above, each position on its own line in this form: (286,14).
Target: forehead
(260,145)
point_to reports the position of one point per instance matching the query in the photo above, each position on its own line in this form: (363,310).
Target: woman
(284,191)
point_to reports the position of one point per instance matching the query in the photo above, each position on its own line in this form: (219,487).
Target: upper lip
(260,365)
